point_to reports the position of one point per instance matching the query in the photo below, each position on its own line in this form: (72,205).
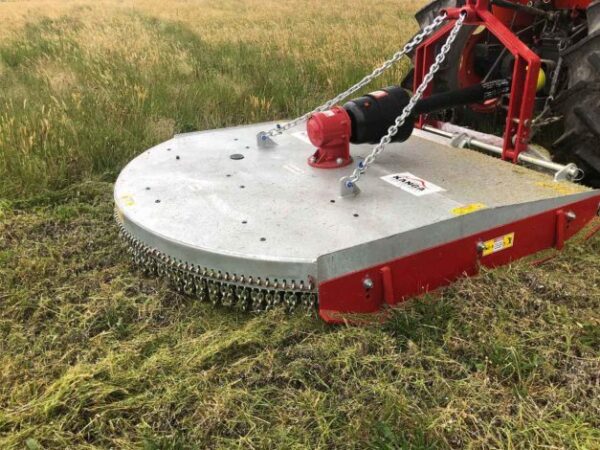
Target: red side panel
(397,280)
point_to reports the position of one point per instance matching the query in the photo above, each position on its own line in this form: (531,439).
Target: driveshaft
(367,119)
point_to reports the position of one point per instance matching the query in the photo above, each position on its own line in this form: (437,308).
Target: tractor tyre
(579,103)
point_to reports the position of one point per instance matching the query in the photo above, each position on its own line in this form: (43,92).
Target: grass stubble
(95,355)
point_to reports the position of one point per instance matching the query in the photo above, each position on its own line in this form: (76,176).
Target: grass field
(95,355)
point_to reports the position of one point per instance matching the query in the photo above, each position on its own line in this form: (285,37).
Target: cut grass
(95,355)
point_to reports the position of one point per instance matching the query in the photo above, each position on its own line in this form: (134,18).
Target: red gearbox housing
(330,132)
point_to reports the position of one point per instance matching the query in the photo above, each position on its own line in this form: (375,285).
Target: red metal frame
(397,280)
(524,79)
(571,4)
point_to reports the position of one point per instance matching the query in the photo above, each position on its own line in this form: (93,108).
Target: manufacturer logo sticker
(412,184)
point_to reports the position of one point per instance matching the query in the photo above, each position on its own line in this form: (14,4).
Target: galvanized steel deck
(271,215)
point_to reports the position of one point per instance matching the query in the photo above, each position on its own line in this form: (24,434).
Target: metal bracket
(562,221)
(388,285)
(348,188)
(461,140)
(263,140)
(570,172)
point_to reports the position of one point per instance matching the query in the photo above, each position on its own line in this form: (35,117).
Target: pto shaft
(367,119)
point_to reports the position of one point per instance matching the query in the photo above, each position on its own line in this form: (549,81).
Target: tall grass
(84,92)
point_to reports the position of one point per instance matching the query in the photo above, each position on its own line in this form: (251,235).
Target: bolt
(480,246)
(367,283)
(571,215)
(313,159)
(349,184)
(339,161)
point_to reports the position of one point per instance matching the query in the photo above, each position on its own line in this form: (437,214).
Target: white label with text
(412,184)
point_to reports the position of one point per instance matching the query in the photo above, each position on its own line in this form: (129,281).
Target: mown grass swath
(95,355)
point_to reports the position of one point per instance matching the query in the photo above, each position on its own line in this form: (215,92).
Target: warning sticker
(128,200)
(412,184)
(498,244)
(378,94)
(468,209)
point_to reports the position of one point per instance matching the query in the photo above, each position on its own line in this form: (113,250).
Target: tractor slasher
(351,209)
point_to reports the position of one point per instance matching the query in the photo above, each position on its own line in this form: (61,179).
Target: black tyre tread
(580,142)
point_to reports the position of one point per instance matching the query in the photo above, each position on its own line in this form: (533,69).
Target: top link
(264,137)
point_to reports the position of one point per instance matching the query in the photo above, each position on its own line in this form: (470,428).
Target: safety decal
(468,209)
(498,244)
(128,200)
(412,184)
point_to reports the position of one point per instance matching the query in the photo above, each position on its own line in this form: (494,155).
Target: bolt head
(339,161)
(312,159)
(571,215)
(367,283)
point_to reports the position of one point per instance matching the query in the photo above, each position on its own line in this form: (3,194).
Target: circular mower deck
(214,200)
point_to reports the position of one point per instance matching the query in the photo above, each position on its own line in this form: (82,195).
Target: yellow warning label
(128,200)
(498,244)
(468,209)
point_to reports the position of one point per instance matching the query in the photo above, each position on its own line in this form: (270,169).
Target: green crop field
(95,355)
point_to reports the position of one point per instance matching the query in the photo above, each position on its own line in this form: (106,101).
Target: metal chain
(366,80)
(542,122)
(407,111)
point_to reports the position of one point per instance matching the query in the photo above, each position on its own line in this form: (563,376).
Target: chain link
(543,121)
(366,80)
(407,111)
